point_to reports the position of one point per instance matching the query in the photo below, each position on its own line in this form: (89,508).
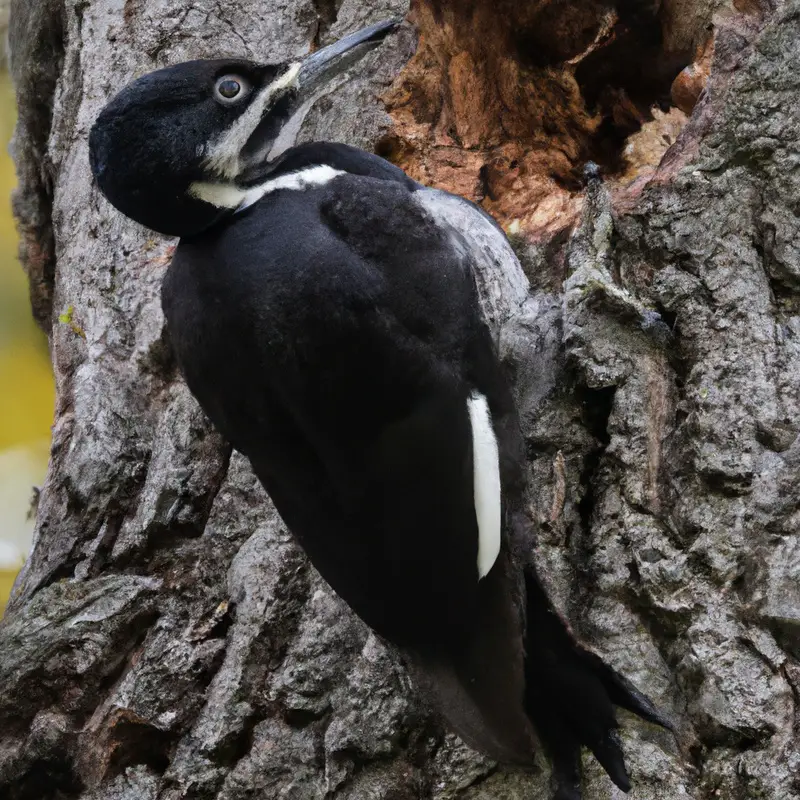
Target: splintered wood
(505,102)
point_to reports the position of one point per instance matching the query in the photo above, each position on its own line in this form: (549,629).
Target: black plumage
(325,314)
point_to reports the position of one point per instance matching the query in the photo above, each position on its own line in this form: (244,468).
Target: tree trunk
(167,638)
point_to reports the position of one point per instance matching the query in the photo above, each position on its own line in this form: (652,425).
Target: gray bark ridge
(167,639)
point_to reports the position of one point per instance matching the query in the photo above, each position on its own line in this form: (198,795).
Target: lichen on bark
(167,638)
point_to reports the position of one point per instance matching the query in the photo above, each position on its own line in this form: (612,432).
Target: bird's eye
(231,88)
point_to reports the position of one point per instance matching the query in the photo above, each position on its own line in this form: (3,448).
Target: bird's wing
(430,464)
(570,691)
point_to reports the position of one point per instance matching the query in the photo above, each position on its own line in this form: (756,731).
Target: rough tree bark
(167,639)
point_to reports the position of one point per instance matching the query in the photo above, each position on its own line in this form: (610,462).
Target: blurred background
(26,383)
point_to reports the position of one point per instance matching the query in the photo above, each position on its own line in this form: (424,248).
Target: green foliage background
(26,383)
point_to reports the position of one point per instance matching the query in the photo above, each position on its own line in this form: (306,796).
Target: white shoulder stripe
(228,195)
(221,195)
(486,482)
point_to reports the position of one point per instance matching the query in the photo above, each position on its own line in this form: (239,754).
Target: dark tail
(570,697)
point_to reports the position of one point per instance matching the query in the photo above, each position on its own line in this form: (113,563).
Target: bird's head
(173,137)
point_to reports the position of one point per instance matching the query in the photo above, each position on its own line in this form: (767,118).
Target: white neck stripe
(226,195)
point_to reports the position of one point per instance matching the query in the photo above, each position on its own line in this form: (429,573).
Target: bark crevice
(37,59)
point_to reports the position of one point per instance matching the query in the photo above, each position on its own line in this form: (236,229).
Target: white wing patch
(486,482)
(228,195)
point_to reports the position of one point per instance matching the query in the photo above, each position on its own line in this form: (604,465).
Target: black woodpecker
(323,310)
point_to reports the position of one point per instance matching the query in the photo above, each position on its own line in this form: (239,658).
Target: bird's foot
(571,693)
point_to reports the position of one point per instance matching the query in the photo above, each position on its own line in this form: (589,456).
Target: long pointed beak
(320,67)
(276,133)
